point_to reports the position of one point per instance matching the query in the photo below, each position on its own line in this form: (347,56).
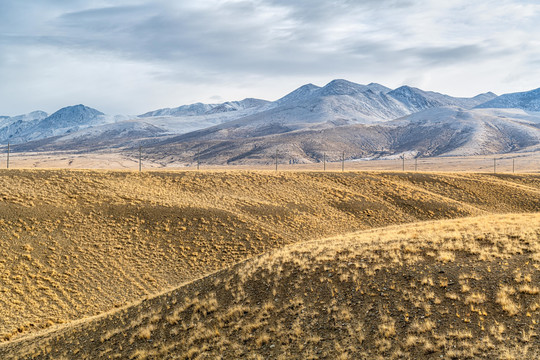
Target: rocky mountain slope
(528,100)
(365,121)
(198,109)
(446,131)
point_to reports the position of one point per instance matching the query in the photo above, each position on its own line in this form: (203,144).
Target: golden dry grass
(79,243)
(377,294)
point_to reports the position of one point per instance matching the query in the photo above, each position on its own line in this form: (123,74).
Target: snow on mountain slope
(371,120)
(318,111)
(127,129)
(184,110)
(338,103)
(199,109)
(338,87)
(482,98)
(38,125)
(527,100)
(185,124)
(342,87)
(128,133)
(474,132)
(303,93)
(378,88)
(343,102)
(418,100)
(34,115)
(64,121)
(12,127)
(446,131)
(71,116)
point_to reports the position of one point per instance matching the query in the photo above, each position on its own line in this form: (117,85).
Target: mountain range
(364,121)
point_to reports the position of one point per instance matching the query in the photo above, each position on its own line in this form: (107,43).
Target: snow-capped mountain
(114,135)
(338,87)
(303,93)
(35,115)
(527,100)
(72,116)
(199,109)
(417,100)
(338,103)
(444,131)
(368,121)
(12,128)
(468,132)
(37,125)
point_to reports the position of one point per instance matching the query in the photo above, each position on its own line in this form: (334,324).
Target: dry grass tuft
(80,243)
(353,296)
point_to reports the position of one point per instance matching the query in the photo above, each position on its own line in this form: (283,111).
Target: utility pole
(7,164)
(276,159)
(513,166)
(403,162)
(343,161)
(494,166)
(324,161)
(198,157)
(415,164)
(140,158)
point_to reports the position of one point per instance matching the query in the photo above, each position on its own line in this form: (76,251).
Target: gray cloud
(200,48)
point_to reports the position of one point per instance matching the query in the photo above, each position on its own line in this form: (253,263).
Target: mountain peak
(201,109)
(417,99)
(72,115)
(341,87)
(302,93)
(405,89)
(527,100)
(378,88)
(484,97)
(340,82)
(79,108)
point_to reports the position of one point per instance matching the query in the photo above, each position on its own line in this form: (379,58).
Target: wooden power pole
(140,158)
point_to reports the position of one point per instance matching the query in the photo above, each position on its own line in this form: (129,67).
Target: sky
(133,56)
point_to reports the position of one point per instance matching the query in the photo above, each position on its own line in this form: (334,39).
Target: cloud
(241,48)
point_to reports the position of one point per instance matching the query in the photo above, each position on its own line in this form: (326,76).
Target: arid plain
(262,265)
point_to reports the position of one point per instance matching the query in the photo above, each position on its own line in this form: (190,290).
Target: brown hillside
(78,243)
(454,289)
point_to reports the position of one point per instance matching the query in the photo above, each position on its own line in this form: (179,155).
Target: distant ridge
(527,100)
(72,115)
(369,121)
(205,109)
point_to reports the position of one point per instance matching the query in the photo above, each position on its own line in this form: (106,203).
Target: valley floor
(525,162)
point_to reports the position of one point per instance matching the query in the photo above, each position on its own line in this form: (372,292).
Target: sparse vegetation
(84,243)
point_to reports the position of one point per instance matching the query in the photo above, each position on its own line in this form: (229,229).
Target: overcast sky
(130,56)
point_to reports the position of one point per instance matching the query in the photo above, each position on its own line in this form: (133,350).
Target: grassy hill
(79,243)
(452,289)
